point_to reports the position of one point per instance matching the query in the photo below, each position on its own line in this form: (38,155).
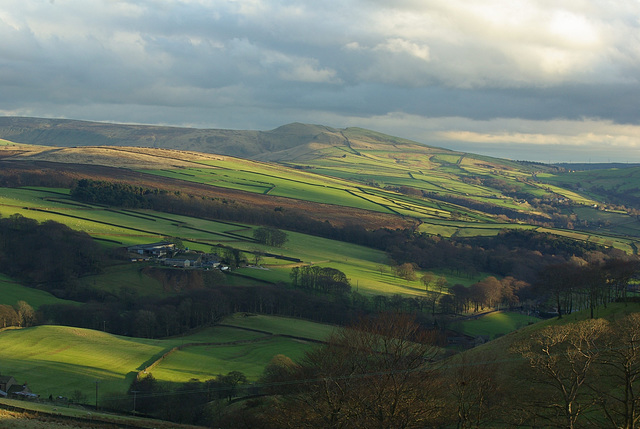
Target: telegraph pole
(97,381)
(134,400)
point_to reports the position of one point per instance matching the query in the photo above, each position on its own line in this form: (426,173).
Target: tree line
(48,255)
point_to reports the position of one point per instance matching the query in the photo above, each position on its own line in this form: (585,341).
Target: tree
(277,372)
(426,279)
(477,395)
(620,364)
(405,271)
(175,240)
(559,281)
(144,388)
(231,381)
(26,314)
(257,256)
(8,316)
(561,360)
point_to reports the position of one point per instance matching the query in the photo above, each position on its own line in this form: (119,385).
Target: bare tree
(477,395)
(561,359)
(618,392)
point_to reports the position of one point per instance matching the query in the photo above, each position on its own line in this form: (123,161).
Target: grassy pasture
(220,334)
(125,226)
(11,292)
(205,362)
(314,190)
(623,244)
(141,226)
(37,416)
(281,325)
(58,360)
(494,324)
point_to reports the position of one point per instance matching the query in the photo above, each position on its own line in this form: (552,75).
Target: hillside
(375,179)
(281,144)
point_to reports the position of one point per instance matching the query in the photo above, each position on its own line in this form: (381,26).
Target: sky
(539,80)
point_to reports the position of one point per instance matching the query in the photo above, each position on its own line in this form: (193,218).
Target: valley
(476,249)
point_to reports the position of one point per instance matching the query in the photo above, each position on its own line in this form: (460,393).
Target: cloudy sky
(545,80)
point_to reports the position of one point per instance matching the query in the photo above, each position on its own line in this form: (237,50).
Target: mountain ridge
(295,141)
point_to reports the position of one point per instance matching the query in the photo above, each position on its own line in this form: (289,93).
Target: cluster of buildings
(166,253)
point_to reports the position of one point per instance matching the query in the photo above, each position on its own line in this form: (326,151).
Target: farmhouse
(154,249)
(6,381)
(184,260)
(10,387)
(176,262)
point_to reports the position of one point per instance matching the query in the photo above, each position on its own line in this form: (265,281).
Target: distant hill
(293,142)
(595,166)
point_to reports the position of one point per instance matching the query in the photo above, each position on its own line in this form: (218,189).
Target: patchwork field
(127,227)
(57,360)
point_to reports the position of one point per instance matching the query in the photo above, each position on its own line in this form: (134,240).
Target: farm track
(337,215)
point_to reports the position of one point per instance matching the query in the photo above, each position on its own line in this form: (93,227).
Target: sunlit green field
(205,362)
(57,360)
(124,227)
(494,324)
(618,180)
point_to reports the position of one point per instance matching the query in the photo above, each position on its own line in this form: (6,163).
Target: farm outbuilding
(154,249)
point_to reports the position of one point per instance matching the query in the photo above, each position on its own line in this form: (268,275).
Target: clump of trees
(21,314)
(324,279)
(47,254)
(111,193)
(270,236)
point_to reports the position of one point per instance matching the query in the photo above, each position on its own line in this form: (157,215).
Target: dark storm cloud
(407,67)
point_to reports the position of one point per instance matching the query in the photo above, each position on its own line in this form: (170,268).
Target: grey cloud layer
(259,64)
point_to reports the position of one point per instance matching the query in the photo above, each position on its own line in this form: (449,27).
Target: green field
(122,227)
(11,292)
(57,360)
(335,175)
(205,362)
(494,324)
